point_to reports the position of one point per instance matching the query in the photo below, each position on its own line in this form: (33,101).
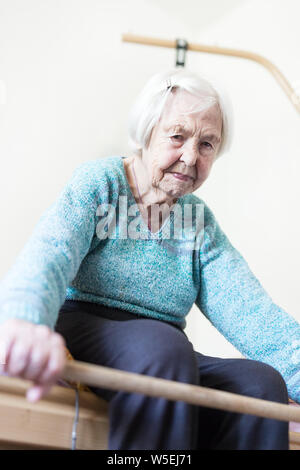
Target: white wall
(254,191)
(67,82)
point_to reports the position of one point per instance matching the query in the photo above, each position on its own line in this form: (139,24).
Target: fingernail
(33,395)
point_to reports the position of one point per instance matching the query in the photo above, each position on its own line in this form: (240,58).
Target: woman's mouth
(181,177)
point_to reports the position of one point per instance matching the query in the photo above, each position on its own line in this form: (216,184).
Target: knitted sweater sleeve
(34,288)
(235,302)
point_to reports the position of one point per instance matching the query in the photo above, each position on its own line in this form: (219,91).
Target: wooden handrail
(115,379)
(279,77)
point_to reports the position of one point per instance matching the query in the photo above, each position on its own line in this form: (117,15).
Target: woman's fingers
(8,335)
(51,371)
(56,360)
(33,352)
(18,356)
(39,352)
(37,392)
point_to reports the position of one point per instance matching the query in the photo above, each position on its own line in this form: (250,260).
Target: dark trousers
(119,339)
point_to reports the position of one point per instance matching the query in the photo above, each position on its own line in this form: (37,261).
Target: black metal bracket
(181,48)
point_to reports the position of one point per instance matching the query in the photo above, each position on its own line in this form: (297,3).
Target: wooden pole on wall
(276,73)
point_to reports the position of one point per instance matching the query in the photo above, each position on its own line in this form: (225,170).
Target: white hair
(150,103)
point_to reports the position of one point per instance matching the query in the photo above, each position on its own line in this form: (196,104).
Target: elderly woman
(116,263)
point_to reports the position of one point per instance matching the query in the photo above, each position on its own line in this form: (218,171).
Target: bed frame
(48,424)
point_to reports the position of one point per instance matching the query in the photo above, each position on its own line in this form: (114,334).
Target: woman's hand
(32,352)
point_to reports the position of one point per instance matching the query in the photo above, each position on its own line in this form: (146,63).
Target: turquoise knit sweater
(80,250)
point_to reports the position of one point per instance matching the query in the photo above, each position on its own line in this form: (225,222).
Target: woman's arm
(234,301)
(35,287)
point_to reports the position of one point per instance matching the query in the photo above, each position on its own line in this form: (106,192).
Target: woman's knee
(263,381)
(163,350)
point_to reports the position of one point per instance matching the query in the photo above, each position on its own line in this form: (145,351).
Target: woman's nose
(189,156)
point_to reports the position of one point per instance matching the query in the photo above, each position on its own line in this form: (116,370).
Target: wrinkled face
(183,147)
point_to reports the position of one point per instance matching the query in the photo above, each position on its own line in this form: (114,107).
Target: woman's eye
(177,137)
(207,145)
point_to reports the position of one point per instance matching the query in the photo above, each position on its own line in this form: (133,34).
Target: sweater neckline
(143,223)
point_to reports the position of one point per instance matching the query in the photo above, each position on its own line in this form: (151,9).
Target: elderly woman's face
(183,147)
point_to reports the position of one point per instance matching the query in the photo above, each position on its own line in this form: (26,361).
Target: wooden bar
(48,423)
(294,438)
(114,379)
(276,73)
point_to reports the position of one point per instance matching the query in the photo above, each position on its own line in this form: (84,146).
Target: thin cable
(76,419)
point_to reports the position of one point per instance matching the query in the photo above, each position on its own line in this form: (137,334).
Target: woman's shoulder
(96,174)
(99,166)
